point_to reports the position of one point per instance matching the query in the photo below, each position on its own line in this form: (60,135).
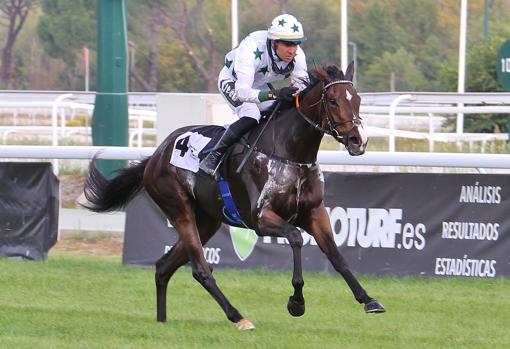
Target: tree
(389,26)
(16,12)
(182,78)
(181,43)
(202,37)
(481,77)
(64,29)
(320,19)
(146,26)
(321,22)
(257,15)
(396,71)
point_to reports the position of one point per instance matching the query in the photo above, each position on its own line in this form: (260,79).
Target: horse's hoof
(295,308)
(374,307)
(245,325)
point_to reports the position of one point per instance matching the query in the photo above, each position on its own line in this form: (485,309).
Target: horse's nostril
(354,140)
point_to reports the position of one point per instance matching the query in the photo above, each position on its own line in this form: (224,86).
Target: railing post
(54,125)
(393,107)
(431,132)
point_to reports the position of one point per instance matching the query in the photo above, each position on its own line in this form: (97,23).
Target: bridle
(332,124)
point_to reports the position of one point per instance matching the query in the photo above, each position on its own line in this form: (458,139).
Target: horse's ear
(320,73)
(349,74)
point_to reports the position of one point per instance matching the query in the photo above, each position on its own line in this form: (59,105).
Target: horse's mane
(318,74)
(322,73)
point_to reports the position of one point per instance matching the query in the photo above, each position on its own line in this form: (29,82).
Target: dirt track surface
(89,243)
(83,242)
(71,187)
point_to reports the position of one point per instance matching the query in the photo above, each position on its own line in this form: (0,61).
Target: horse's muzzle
(355,146)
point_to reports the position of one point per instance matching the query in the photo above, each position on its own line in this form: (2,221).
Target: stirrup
(208,166)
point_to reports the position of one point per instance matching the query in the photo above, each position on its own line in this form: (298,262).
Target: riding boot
(235,131)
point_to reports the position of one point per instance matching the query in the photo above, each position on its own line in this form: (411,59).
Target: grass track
(76,302)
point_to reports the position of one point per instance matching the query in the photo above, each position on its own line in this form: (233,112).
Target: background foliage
(179,45)
(405,45)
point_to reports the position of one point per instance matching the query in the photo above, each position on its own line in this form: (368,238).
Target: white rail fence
(417,116)
(498,161)
(79,220)
(432,109)
(391,115)
(62,110)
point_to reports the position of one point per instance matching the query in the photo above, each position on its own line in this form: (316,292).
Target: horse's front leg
(272,224)
(320,228)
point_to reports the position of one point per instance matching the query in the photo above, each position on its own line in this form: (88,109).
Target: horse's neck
(292,138)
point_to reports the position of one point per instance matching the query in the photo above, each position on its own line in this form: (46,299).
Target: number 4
(182,145)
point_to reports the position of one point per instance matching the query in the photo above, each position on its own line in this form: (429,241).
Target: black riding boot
(231,135)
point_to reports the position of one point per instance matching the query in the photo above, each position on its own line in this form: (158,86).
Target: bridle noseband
(332,124)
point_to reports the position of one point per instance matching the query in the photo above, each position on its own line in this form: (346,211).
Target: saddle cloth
(194,145)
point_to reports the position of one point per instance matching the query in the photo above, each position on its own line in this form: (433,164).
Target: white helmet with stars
(286,28)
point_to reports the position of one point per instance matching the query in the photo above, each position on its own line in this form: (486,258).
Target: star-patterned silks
(258,53)
(295,28)
(282,22)
(263,70)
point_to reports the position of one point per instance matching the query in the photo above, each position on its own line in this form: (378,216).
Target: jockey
(261,58)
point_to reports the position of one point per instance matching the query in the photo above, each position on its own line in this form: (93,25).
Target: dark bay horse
(280,188)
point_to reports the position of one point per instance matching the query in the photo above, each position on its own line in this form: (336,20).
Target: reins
(332,124)
(356,120)
(252,148)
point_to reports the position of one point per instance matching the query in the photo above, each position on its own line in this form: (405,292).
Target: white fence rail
(62,108)
(413,115)
(433,107)
(501,161)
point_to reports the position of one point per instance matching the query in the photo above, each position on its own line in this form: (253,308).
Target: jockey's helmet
(286,28)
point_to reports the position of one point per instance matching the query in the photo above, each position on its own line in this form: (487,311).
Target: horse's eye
(333,102)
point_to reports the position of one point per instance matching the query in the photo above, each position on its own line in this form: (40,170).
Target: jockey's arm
(245,91)
(245,66)
(300,73)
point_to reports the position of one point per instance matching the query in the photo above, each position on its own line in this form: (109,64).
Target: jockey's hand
(283,94)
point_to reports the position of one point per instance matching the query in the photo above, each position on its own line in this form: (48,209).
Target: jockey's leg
(233,133)
(248,113)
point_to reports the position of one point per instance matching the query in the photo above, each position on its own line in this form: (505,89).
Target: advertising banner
(29,204)
(383,223)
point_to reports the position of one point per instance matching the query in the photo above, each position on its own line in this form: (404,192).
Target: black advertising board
(29,205)
(383,223)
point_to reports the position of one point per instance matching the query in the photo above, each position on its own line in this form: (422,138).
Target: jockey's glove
(283,94)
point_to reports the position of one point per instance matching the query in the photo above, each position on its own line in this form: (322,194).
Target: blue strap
(230,210)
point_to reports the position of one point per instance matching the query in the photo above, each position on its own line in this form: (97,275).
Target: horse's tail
(105,195)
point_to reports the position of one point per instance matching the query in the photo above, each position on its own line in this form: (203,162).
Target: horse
(278,190)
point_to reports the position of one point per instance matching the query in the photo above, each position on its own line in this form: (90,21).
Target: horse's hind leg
(175,201)
(167,265)
(320,228)
(201,272)
(188,224)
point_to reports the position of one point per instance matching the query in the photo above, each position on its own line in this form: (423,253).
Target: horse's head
(339,108)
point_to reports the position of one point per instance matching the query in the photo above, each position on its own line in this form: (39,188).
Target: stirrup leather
(211,163)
